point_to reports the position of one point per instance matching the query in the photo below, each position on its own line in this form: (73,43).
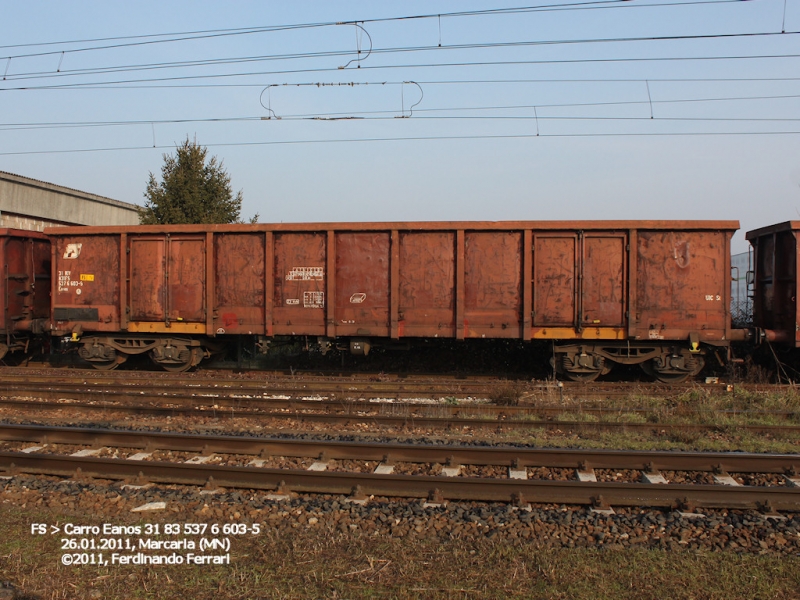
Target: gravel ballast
(542,526)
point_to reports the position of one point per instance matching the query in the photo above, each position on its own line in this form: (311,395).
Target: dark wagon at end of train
(774,285)
(602,293)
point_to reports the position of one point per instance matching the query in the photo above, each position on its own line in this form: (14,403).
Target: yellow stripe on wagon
(569,333)
(161,327)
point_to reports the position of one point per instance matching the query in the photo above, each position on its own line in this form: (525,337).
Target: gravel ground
(546,526)
(727,535)
(543,526)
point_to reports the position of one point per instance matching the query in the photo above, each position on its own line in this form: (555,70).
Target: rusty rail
(354,414)
(388,383)
(439,488)
(735,462)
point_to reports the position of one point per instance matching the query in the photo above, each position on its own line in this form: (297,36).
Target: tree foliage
(191,191)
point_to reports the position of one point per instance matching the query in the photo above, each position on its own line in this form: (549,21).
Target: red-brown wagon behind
(25,294)
(655,293)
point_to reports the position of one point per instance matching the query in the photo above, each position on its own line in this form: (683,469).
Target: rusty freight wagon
(25,297)
(654,293)
(775,283)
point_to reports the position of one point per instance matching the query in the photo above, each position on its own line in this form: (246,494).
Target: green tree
(192,190)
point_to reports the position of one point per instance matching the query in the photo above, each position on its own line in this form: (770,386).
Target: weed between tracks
(507,394)
(298,564)
(720,410)
(694,406)
(727,440)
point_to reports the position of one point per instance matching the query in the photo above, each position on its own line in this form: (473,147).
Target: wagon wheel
(108,365)
(177,367)
(584,368)
(648,368)
(105,366)
(582,377)
(668,377)
(188,359)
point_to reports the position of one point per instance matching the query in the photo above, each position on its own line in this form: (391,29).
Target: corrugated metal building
(27,203)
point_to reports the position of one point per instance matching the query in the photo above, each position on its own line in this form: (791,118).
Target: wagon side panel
(555,261)
(604,280)
(147,287)
(239,283)
(427,284)
(362,283)
(493,284)
(186,279)
(299,277)
(87,285)
(682,285)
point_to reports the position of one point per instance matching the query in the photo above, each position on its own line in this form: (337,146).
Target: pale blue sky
(580,167)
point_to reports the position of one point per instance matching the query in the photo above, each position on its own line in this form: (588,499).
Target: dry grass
(729,440)
(696,406)
(297,563)
(507,393)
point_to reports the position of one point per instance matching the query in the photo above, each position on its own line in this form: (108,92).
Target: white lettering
(305,273)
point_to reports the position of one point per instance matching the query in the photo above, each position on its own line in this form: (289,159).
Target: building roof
(60,189)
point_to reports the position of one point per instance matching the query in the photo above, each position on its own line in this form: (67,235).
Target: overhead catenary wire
(59,73)
(536,117)
(146,39)
(100,78)
(307,116)
(419,138)
(95,85)
(520,81)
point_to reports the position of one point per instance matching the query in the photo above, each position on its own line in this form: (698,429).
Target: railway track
(369,385)
(647,485)
(394,402)
(277,387)
(406,416)
(282,397)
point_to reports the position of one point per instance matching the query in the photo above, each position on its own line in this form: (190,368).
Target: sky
(418,111)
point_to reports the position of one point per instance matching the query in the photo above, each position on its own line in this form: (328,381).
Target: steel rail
(736,462)
(130,397)
(233,374)
(125,391)
(399,421)
(409,486)
(373,381)
(123,379)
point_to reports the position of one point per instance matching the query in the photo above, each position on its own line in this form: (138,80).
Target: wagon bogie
(667,363)
(172,354)
(101,355)
(177,357)
(674,365)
